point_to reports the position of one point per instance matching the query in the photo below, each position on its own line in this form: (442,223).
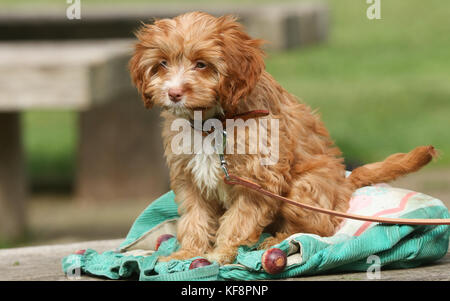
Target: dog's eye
(200,65)
(163,63)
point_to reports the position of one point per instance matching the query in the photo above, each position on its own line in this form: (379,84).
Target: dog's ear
(138,68)
(244,60)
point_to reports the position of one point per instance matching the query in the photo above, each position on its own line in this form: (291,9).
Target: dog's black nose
(175,94)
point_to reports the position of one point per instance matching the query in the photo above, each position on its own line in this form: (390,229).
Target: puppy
(197,62)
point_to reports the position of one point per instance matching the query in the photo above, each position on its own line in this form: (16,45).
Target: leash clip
(223,162)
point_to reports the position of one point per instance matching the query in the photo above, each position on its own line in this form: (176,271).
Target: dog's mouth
(198,108)
(187,112)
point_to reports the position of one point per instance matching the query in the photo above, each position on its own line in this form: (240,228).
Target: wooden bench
(283,25)
(44,263)
(119,145)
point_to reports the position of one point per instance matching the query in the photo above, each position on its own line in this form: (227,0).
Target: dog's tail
(392,167)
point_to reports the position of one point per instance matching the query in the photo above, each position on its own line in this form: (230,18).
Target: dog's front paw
(273,240)
(181,255)
(222,256)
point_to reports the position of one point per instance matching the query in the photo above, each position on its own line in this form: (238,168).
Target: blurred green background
(381,86)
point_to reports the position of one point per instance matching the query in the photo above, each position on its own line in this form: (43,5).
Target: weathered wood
(44,263)
(437,271)
(283,25)
(289,26)
(120,154)
(62,75)
(12,178)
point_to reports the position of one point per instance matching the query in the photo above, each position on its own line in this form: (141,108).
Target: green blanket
(356,246)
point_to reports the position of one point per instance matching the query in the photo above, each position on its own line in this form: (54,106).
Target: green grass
(381,86)
(50,142)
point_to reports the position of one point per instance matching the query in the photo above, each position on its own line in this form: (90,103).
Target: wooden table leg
(12,178)
(120,154)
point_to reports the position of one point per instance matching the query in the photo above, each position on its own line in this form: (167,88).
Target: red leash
(235,180)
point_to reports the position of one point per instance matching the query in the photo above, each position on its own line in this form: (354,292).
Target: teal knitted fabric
(396,246)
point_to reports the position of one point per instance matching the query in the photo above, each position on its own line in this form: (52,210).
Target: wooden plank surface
(62,74)
(44,263)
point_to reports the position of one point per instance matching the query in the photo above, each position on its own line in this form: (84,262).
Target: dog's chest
(207,175)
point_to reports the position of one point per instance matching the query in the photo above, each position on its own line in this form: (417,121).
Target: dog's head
(195,62)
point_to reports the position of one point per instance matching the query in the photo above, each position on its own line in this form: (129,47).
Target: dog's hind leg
(321,187)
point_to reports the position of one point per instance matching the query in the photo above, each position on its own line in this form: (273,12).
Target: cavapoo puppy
(198,62)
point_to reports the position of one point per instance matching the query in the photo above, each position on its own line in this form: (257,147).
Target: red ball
(162,239)
(80,252)
(274,261)
(199,262)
